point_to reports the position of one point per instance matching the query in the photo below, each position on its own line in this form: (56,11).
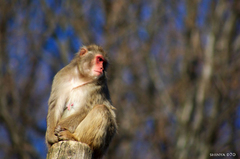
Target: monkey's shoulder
(98,97)
(65,72)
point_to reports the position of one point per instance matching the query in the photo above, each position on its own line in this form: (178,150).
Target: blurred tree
(174,72)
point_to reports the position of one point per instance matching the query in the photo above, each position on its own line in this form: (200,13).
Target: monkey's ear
(82,51)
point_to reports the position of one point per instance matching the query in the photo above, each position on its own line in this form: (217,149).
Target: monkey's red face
(92,64)
(100,65)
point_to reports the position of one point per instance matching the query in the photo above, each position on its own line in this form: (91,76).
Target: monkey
(79,106)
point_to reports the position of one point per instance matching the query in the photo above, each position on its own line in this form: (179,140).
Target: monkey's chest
(75,102)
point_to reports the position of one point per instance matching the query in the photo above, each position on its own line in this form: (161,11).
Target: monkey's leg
(67,126)
(70,123)
(97,129)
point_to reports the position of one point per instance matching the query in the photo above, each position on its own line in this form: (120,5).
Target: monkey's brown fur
(80,107)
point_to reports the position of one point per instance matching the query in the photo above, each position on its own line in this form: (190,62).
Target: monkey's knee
(100,109)
(95,124)
(106,124)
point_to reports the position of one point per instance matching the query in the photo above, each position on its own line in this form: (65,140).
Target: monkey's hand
(63,134)
(51,138)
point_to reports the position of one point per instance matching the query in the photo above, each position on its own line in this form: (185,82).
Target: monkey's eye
(100,59)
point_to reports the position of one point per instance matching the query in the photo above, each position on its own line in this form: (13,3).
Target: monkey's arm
(54,113)
(51,123)
(56,105)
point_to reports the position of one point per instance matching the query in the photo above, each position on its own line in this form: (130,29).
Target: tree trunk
(69,149)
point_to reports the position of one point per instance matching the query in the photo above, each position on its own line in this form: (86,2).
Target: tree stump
(70,150)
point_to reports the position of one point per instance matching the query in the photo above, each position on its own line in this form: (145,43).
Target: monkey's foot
(63,134)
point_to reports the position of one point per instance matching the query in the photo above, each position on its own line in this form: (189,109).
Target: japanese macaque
(80,107)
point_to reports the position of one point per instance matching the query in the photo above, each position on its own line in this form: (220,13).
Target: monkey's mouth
(98,72)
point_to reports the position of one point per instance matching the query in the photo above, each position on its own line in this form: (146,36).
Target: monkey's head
(92,62)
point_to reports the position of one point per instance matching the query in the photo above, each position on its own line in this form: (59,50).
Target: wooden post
(69,149)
